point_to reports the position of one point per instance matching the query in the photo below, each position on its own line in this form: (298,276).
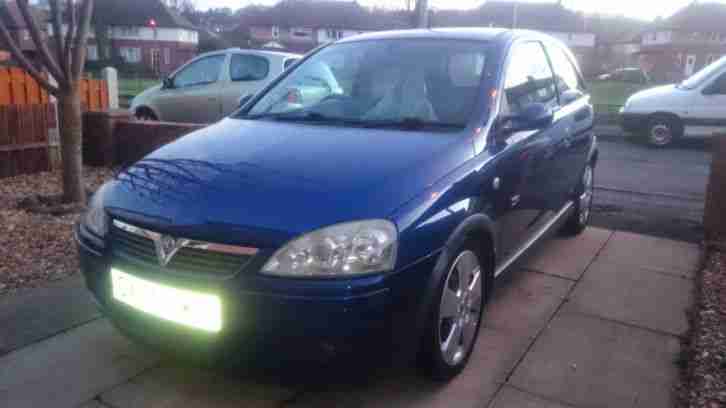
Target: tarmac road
(652,191)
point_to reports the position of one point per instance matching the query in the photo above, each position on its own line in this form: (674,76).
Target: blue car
(362,204)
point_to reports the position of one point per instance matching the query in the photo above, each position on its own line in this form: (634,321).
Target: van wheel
(663,130)
(456,314)
(580,218)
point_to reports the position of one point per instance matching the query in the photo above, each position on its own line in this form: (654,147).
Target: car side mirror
(167,83)
(243,100)
(569,96)
(534,116)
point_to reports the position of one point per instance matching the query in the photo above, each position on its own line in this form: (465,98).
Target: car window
(248,67)
(528,79)
(290,62)
(566,77)
(434,81)
(200,72)
(718,87)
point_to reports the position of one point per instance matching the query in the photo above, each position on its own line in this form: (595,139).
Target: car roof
(459,33)
(251,51)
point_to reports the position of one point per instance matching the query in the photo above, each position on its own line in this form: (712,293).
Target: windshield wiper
(298,116)
(410,124)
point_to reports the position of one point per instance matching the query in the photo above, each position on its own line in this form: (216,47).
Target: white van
(694,108)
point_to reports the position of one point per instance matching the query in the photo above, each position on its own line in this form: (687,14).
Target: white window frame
(275,31)
(131,55)
(167,55)
(92,52)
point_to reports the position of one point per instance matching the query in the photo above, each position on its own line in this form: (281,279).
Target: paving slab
(590,362)
(659,254)
(35,314)
(176,385)
(525,301)
(495,355)
(71,368)
(634,295)
(510,397)
(569,257)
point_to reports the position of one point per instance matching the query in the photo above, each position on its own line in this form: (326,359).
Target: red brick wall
(179,52)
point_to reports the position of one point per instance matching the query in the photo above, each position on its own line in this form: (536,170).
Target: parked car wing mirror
(569,96)
(167,83)
(534,116)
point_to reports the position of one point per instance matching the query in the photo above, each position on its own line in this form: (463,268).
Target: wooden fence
(28,118)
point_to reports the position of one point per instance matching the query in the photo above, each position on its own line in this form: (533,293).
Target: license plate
(195,309)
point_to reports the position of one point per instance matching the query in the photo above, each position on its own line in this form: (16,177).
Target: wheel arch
(148,108)
(477,227)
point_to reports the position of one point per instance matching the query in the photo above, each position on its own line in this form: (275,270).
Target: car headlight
(95,219)
(341,250)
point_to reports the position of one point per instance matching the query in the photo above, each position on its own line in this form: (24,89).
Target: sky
(644,9)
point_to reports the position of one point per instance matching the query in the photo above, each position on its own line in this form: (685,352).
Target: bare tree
(65,65)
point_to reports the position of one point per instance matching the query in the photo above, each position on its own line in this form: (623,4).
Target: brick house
(680,45)
(301,25)
(552,18)
(142,32)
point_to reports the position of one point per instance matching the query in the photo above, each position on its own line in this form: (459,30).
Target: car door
(708,107)
(193,94)
(247,74)
(573,123)
(523,186)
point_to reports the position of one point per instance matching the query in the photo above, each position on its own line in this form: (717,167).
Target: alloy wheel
(460,309)
(660,134)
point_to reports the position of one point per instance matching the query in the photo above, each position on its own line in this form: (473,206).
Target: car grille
(139,250)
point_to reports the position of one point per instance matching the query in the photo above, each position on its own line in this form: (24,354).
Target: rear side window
(528,79)
(289,62)
(566,75)
(248,67)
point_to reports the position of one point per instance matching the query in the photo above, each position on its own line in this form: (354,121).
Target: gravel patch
(37,248)
(704,382)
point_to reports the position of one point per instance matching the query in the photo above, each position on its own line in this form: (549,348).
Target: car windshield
(697,79)
(405,83)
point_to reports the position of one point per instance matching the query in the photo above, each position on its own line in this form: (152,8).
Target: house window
(715,36)
(167,56)
(130,54)
(92,53)
(710,58)
(275,31)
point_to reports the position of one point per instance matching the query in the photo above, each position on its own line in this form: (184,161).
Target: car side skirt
(534,238)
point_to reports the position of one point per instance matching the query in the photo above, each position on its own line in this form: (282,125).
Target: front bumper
(290,318)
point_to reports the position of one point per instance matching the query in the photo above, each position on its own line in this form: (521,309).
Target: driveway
(593,321)
(652,191)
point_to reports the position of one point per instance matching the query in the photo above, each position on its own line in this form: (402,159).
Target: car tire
(145,114)
(663,130)
(579,219)
(456,314)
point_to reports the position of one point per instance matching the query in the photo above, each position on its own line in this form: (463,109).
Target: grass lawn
(609,96)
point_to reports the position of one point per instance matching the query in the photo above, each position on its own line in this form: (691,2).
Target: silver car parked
(210,86)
